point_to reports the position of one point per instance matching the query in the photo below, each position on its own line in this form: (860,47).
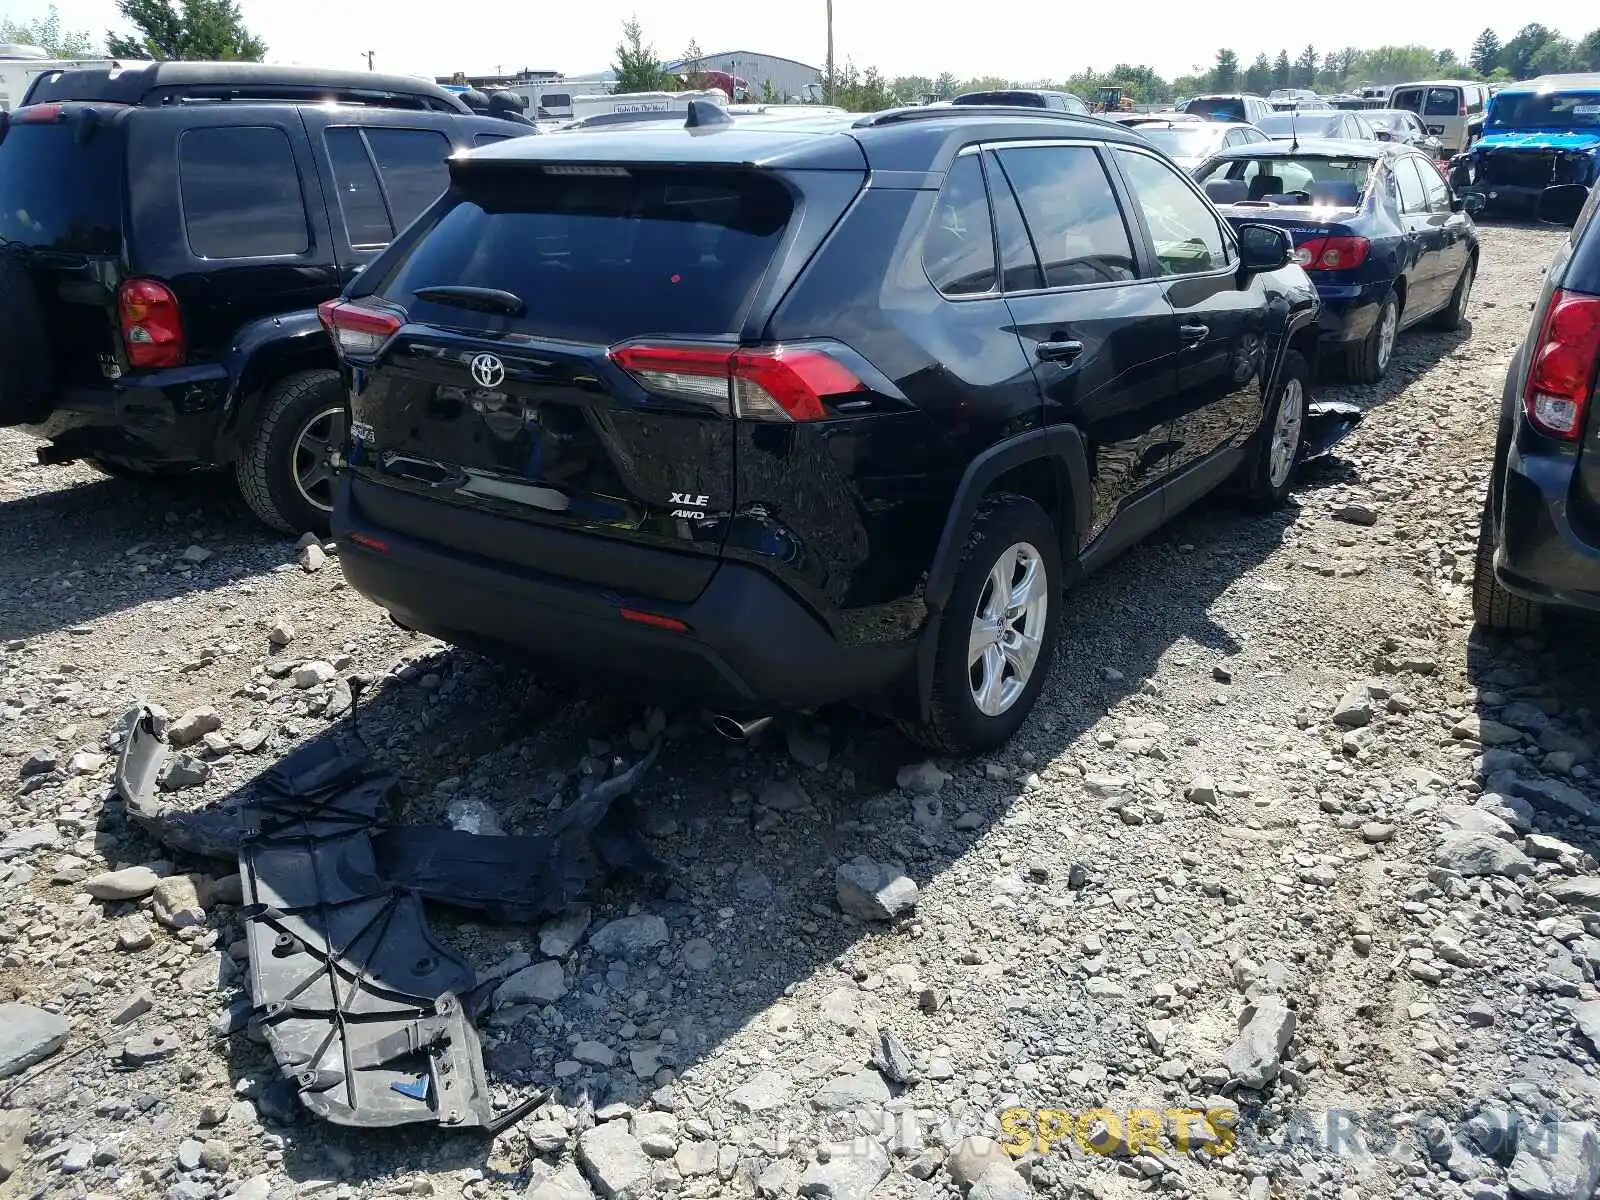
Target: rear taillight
(1332,253)
(152,324)
(37,114)
(1462,111)
(772,383)
(357,329)
(1565,358)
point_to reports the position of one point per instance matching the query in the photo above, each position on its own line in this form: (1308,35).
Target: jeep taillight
(356,328)
(152,324)
(767,383)
(1561,378)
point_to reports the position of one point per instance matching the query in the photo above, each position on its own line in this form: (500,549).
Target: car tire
(1493,606)
(1006,528)
(1369,361)
(1454,315)
(273,469)
(1267,475)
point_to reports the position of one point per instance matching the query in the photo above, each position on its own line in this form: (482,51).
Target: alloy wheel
(1008,629)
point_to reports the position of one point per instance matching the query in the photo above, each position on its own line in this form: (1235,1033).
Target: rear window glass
(1220,109)
(58,194)
(599,258)
(1011,99)
(1305,179)
(958,252)
(240,191)
(1546,110)
(366,217)
(412,163)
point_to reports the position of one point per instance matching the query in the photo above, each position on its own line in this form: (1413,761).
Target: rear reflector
(37,114)
(770,383)
(655,620)
(357,329)
(371,543)
(1332,253)
(152,324)
(1562,378)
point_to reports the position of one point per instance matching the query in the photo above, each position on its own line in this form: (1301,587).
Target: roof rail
(155,84)
(931,112)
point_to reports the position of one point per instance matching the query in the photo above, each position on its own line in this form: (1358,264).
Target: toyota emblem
(488,371)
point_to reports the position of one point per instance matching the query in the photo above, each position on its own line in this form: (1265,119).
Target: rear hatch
(62,197)
(513,381)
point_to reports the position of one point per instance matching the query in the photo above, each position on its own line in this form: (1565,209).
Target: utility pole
(830,52)
(369,55)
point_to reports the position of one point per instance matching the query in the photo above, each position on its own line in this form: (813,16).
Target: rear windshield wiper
(478,299)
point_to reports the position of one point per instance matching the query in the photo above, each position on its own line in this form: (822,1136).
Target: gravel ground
(1284,842)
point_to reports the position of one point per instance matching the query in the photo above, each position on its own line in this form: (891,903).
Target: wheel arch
(1049,466)
(263,353)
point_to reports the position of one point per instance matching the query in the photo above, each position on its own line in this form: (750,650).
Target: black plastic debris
(368,1016)
(1328,422)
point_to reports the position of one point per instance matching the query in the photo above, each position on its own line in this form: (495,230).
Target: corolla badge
(488,371)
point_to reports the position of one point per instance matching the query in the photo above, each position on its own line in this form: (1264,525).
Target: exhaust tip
(736,730)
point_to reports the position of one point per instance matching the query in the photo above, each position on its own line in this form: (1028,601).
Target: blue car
(1380,232)
(1541,134)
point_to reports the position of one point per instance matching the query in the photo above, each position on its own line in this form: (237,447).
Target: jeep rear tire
(998,633)
(283,469)
(27,372)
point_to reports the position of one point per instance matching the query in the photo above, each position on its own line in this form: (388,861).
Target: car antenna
(1294,130)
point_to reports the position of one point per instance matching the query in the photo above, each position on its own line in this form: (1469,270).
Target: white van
(1451,109)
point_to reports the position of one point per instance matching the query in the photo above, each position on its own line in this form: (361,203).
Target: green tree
(1587,55)
(1447,64)
(1552,58)
(636,65)
(1258,75)
(1225,75)
(944,87)
(1485,56)
(203,30)
(1305,68)
(1395,64)
(1517,54)
(1281,70)
(690,70)
(47,34)
(861,91)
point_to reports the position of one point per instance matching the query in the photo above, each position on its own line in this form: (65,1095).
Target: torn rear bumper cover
(366,1013)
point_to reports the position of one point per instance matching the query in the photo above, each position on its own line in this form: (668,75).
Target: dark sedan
(1374,223)
(1539,544)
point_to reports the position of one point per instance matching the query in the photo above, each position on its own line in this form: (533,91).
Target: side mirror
(1473,203)
(1562,204)
(1263,248)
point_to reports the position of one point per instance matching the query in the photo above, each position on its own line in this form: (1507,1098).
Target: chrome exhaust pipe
(736,730)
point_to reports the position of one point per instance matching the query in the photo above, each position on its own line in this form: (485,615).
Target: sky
(1174,36)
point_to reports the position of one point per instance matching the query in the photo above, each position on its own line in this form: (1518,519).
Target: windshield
(1187,140)
(1302,179)
(1303,125)
(1545,110)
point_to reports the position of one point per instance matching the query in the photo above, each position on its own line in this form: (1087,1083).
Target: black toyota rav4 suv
(773,413)
(1539,543)
(166,233)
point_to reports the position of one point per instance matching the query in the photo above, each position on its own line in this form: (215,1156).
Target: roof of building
(721,54)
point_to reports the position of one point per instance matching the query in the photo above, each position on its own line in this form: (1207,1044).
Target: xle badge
(693,506)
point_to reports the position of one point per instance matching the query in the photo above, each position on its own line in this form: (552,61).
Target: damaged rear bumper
(367,1014)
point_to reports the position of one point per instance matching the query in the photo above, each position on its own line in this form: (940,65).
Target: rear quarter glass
(597,258)
(61,193)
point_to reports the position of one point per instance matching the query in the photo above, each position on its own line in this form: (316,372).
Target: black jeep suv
(1539,544)
(772,413)
(166,233)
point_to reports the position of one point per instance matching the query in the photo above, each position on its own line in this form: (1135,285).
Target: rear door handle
(1062,352)
(1194,333)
